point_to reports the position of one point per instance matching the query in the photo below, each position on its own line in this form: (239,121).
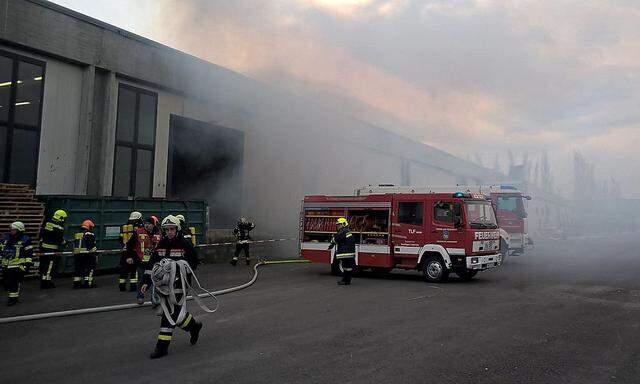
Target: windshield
(480,214)
(511,203)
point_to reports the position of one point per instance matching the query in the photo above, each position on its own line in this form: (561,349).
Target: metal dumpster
(109,213)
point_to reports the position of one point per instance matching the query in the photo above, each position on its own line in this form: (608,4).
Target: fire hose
(110,308)
(118,250)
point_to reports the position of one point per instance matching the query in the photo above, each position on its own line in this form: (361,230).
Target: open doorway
(205,162)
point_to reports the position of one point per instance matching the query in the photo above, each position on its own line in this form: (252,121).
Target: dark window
(410,213)
(443,212)
(21,87)
(135,142)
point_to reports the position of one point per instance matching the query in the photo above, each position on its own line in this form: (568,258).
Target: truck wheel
(335,268)
(466,274)
(504,250)
(434,270)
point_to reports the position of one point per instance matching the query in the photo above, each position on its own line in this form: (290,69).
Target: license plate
(485,245)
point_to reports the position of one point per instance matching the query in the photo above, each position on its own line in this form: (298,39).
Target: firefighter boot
(122,284)
(195,332)
(234,261)
(77,282)
(248,261)
(12,301)
(161,350)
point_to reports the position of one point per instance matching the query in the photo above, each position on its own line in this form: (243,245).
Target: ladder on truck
(473,189)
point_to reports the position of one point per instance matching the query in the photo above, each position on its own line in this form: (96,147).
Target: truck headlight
(474,260)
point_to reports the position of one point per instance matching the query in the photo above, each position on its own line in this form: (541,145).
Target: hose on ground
(119,307)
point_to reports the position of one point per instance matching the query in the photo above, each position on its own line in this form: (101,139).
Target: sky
(474,77)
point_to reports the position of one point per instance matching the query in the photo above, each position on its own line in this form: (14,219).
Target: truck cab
(511,214)
(437,233)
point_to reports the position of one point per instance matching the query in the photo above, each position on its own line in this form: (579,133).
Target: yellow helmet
(18,226)
(342,221)
(59,215)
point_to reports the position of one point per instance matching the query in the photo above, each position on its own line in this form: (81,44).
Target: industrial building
(90,109)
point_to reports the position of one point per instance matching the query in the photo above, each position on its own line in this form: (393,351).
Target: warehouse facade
(90,109)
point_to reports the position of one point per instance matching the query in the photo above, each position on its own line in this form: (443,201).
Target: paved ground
(566,313)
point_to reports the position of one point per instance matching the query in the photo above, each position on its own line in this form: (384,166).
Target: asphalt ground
(567,312)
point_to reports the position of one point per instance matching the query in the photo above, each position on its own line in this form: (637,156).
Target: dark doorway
(205,162)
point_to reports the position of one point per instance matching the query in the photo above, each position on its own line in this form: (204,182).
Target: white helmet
(180,217)
(135,215)
(18,225)
(171,221)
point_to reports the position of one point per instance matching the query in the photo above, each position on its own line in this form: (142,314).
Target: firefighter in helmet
(143,246)
(84,256)
(15,253)
(345,251)
(173,247)
(186,231)
(241,232)
(128,237)
(52,240)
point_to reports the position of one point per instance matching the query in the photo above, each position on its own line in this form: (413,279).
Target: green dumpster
(109,213)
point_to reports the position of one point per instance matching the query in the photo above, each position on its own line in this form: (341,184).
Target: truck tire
(434,270)
(466,274)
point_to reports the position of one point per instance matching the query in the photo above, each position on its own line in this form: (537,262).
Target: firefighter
(127,259)
(15,251)
(172,247)
(186,231)
(143,245)
(346,250)
(84,256)
(241,232)
(52,240)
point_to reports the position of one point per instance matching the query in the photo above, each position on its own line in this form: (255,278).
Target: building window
(21,92)
(410,213)
(135,142)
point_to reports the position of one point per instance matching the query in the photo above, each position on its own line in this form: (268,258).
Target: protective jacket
(52,235)
(85,241)
(175,249)
(141,245)
(345,242)
(16,251)
(241,232)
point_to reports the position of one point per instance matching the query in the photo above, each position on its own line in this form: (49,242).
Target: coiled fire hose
(110,308)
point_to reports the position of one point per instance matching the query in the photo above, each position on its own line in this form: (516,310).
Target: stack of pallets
(18,203)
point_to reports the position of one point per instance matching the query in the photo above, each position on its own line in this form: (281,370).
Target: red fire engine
(511,215)
(406,228)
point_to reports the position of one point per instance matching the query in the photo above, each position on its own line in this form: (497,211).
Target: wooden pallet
(18,203)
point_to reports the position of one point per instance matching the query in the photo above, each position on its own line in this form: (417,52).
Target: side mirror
(527,197)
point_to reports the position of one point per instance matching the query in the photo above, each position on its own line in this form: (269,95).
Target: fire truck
(435,232)
(511,214)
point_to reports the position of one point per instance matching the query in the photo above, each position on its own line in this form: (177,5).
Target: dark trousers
(84,265)
(166,329)
(242,248)
(13,281)
(127,271)
(347,265)
(47,266)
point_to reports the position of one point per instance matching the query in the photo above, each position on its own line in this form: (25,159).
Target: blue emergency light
(458,194)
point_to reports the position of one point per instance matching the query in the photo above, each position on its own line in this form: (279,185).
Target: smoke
(465,76)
